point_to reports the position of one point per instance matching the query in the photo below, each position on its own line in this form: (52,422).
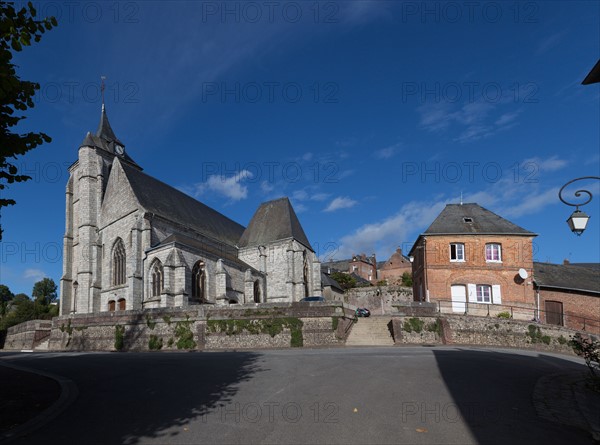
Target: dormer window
(468,220)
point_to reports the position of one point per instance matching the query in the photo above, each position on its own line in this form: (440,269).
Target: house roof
(338,266)
(326,280)
(163,200)
(467,219)
(273,221)
(567,276)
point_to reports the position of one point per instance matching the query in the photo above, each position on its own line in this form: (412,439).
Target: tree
(5,297)
(17,29)
(407,279)
(344,280)
(44,291)
(5,293)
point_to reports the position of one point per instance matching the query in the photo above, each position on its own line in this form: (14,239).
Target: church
(133,242)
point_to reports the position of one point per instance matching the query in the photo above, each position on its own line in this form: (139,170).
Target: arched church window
(122,304)
(199,282)
(256,292)
(111,305)
(157,278)
(118,263)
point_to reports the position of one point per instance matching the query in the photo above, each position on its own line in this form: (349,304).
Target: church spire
(105,131)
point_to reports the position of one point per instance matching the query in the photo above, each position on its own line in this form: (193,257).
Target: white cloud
(300,195)
(387,152)
(341,202)
(229,187)
(544,165)
(507,197)
(267,187)
(34,274)
(320,196)
(476,118)
(383,237)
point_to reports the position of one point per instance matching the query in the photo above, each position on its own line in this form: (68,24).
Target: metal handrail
(585,321)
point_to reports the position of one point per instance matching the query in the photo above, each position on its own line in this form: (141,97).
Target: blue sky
(369,115)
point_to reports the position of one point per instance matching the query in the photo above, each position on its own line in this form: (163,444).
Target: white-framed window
(484,293)
(457,252)
(493,252)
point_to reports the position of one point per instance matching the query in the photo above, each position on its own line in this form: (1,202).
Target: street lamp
(578,220)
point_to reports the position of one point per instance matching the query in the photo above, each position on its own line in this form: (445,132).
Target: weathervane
(102,87)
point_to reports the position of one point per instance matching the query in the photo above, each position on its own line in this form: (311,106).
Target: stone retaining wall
(232,327)
(27,335)
(462,330)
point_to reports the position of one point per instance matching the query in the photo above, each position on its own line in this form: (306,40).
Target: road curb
(68,394)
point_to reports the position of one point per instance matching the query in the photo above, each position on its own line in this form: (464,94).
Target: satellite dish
(523,273)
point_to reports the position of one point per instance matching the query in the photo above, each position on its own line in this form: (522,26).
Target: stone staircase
(42,346)
(371,331)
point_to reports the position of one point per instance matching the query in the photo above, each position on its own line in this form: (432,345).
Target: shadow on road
(494,396)
(126,398)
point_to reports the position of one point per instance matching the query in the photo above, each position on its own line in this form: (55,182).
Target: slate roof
(162,199)
(567,277)
(326,280)
(273,221)
(105,139)
(336,266)
(451,221)
(226,254)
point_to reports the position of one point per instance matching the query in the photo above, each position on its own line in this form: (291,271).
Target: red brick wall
(433,268)
(576,307)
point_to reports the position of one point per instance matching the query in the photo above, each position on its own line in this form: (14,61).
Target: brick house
(569,295)
(393,269)
(363,267)
(471,255)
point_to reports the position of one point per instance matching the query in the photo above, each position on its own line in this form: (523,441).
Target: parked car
(305,299)
(362,312)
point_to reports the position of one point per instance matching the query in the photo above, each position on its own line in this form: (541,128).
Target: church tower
(80,284)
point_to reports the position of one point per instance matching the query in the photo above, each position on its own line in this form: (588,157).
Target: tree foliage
(44,291)
(21,308)
(17,29)
(407,279)
(344,280)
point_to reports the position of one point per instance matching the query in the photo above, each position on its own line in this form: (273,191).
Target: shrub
(413,325)
(504,314)
(155,343)
(119,337)
(590,351)
(436,327)
(184,335)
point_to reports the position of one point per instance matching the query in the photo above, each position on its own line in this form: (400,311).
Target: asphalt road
(349,395)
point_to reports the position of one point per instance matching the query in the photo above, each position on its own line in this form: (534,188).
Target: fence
(567,319)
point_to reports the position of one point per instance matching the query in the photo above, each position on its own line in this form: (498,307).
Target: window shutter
(472,291)
(496,294)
